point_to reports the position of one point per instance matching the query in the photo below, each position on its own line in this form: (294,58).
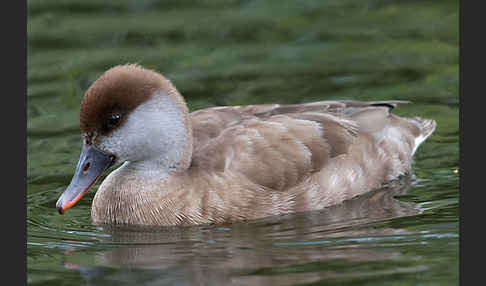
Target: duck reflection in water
(243,252)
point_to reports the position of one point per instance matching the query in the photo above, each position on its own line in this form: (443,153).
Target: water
(247,52)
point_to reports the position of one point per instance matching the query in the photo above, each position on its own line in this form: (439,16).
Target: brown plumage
(114,92)
(238,162)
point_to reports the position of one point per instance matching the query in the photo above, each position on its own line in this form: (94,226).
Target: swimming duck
(229,163)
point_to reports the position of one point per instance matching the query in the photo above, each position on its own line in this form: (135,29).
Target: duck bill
(92,164)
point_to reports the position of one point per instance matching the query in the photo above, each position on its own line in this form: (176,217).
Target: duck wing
(210,122)
(278,146)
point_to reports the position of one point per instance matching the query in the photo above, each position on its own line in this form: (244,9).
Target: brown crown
(119,90)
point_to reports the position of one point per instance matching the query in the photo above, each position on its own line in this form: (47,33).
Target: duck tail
(426,126)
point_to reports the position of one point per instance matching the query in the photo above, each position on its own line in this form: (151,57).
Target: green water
(248,52)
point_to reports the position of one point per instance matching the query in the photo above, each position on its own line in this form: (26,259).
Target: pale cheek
(113,145)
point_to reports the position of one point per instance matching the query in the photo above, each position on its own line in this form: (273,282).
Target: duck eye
(114,120)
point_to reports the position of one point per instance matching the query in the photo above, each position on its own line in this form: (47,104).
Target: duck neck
(169,142)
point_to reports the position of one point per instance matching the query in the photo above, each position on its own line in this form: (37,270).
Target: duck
(226,164)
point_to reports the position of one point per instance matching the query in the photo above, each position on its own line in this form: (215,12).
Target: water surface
(249,52)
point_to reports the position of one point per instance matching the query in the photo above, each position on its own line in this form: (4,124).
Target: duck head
(134,115)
